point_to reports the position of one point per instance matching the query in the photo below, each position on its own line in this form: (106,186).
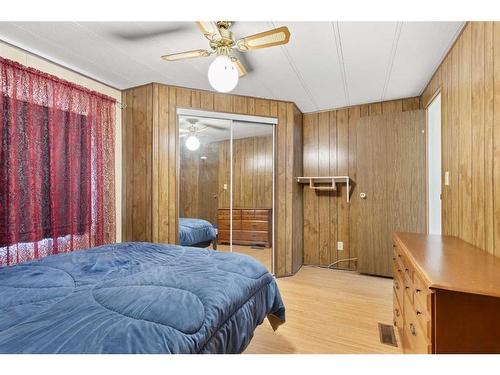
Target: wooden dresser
(446,295)
(251,226)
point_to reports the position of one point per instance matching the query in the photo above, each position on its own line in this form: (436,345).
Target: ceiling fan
(225,70)
(194,127)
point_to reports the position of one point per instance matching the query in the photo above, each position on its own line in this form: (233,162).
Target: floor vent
(387,335)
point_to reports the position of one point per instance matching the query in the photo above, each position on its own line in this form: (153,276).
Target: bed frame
(205,244)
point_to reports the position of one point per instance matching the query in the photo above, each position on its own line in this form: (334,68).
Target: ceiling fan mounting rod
(224,24)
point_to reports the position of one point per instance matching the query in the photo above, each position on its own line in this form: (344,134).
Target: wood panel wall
(252,173)
(151,188)
(201,180)
(329,148)
(137,125)
(469,82)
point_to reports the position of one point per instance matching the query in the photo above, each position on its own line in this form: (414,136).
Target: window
(56,165)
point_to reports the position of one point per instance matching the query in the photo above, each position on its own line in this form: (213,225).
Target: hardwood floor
(329,311)
(263,255)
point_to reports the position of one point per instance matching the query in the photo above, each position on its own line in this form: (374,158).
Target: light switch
(225,186)
(447,178)
(340,246)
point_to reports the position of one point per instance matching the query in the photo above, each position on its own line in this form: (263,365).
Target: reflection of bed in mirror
(196,233)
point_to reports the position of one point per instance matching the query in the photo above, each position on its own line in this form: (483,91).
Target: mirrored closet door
(252,190)
(226,185)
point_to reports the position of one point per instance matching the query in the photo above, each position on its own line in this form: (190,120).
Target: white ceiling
(214,130)
(325,65)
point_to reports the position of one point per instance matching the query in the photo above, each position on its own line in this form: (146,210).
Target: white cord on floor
(334,263)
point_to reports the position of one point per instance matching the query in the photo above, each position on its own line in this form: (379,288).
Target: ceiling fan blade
(239,65)
(133,36)
(209,29)
(270,38)
(186,55)
(215,127)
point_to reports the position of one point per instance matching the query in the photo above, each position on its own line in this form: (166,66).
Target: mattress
(195,231)
(136,298)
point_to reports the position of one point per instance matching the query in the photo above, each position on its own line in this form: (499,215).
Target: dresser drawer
(403,264)
(247,214)
(236,235)
(398,285)
(408,289)
(415,340)
(423,318)
(224,214)
(422,294)
(407,269)
(262,226)
(261,218)
(397,312)
(224,224)
(262,213)
(223,235)
(254,236)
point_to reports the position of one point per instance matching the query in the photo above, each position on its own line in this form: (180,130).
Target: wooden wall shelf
(318,183)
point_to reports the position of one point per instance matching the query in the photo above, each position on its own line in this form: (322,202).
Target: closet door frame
(273,121)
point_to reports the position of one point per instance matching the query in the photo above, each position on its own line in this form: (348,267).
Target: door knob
(362,195)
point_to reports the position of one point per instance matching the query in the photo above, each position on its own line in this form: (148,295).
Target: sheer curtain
(56,165)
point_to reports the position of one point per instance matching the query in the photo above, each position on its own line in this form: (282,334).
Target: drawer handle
(407,287)
(413,330)
(419,312)
(417,291)
(406,269)
(396,311)
(396,284)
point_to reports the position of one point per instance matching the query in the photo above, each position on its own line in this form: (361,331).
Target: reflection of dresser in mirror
(251,226)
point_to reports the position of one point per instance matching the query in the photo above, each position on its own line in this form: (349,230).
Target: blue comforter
(136,298)
(194,231)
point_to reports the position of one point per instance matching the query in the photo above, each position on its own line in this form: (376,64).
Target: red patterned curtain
(56,165)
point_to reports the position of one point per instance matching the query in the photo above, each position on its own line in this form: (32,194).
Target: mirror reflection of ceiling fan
(195,127)
(225,70)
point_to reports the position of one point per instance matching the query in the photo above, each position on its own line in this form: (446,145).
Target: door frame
(434,96)
(182,111)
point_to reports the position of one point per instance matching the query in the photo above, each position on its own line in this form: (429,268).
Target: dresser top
(449,263)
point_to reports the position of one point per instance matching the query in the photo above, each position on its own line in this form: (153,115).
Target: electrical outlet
(225,186)
(340,246)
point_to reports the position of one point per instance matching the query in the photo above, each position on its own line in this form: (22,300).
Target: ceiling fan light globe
(192,143)
(223,75)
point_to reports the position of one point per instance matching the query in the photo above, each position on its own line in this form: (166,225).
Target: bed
(136,298)
(196,233)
